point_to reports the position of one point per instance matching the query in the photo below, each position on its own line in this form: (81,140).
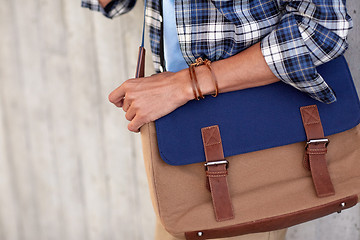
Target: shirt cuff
(112,9)
(288,57)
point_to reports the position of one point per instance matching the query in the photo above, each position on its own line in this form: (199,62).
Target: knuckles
(129,96)
(141,118)
(113,96)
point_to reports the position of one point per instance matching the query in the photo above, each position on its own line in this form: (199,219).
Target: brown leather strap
(316,151)
(217,173)
(140,67)
(276,222)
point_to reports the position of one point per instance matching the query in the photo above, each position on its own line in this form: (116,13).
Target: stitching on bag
(310,115)
(221,172)
(212,144)
(213,135)
(215,143)
(216,175)
(316,150)
(205,141)
(317,153)
(311,123)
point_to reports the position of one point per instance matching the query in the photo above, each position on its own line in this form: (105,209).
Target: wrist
(205,80)
(186,89)
(204,77)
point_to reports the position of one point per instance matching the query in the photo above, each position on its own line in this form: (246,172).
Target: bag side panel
(149,147)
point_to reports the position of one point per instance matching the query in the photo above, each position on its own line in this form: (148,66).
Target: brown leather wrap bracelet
(207,62)
(195,81)
(195,84)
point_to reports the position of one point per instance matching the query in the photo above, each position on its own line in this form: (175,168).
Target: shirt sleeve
(308,34)
(113,9)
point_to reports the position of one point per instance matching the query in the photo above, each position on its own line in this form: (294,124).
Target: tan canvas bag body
(270,189)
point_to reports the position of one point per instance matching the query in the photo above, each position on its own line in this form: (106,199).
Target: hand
(150,98)
(147,99)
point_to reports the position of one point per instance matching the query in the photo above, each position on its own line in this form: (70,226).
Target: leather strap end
(217,174)
(316,152)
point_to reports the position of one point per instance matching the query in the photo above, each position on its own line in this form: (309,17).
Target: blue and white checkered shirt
(296,35)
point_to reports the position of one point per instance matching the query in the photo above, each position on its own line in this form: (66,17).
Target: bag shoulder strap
(140,66)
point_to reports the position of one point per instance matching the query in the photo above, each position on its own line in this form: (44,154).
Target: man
(250,43)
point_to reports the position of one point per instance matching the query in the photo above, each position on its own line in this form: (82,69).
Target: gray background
(69,169)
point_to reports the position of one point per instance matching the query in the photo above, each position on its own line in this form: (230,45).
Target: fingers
(130,114)
(120,103)
(136,121)
(125,97)
(118,94)
(135,124)
(126,104)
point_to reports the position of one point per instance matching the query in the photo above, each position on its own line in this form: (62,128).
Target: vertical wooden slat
(9,223)
(8,205)
(69,205)
(33,41)
(88,121)
(65,170)
(17,128)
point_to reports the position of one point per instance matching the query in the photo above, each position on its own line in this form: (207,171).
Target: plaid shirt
(296,35)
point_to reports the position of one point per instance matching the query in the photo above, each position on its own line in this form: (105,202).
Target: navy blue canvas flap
(257,118)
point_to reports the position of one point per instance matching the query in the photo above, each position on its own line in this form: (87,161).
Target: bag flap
(256,118)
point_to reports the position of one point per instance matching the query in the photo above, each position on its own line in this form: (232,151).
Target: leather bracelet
(199,61)
(195,81)
(208,64)
(193,86)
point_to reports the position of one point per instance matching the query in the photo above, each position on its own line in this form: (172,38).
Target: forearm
(150,98)
(244,70)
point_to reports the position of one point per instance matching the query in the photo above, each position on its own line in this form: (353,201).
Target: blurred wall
(69,169)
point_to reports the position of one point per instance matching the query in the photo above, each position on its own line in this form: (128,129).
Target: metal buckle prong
(212,163)
(320,140)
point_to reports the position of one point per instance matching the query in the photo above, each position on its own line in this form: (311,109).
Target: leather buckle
(214,163)
(316,141)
